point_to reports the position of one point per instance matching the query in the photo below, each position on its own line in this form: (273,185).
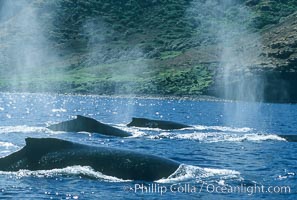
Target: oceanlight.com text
(183,188)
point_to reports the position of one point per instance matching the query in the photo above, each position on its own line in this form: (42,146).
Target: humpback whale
(151,123)
(87,124)
(289,138)
(50,153)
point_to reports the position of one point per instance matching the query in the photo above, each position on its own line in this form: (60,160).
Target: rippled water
(219,152)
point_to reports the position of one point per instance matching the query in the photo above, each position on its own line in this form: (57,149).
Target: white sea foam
(255,137)
(38,129)
(7,144)
(146,128)
(189,172)
(211,137)
(59,110)
(76,170)
(183,173)
(4,152)
(135,132)
(7,148)
(27,129)
(222,128)
(24,129)
(201,128)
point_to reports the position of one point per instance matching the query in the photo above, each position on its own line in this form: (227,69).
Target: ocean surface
(233,150)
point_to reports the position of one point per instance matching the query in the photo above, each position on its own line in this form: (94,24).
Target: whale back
(151,123)
(43,145)
(87,124)
(121,163)
(81,123)
(289,138)
(31,152)
(140,122)
(51,153)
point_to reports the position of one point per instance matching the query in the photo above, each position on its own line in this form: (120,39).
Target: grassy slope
(138,46)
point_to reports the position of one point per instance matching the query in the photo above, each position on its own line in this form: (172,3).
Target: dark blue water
(231,146)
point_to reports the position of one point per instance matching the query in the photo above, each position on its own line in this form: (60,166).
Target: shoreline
(128,96)
(139,96)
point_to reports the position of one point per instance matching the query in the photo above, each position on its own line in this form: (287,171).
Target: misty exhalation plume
(25,49)
(238,47)
(122,66)
(228,24)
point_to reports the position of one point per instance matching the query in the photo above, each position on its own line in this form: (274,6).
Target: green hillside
(151,47)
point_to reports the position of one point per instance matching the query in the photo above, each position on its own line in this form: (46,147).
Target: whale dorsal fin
(140,119)
(80,117)
(46,144)
(84,118)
